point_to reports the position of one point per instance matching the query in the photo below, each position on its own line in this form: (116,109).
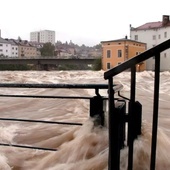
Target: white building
(35,36)
(154,33)
(5,48)
(14,48)
(43,36)
(8,48)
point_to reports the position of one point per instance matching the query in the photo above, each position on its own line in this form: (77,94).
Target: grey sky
(82,21)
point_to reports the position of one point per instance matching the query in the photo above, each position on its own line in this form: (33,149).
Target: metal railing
(131,117)
(96,100)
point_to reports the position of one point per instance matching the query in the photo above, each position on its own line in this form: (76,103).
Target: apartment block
(154,33)
(43,36)
(35,36)
(115,52)
(8,48)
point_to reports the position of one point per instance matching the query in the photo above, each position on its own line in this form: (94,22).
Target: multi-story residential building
(115,52)
(38,46)
(26,50)
(35,36)
(14,48)
(8,48)
(43,36)
(154,33)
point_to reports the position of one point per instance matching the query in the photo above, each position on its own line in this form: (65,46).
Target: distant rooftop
(122,39)
(3,41)
(154,25)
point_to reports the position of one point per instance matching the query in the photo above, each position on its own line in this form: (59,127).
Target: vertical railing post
(114,149)
(155,111)
(130,123)
(97,110)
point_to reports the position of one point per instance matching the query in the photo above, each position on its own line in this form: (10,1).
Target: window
(165,34)
(119,53)
(119,63)
(159,36)
(154,37)
(0,49)
(6,50)
(136,37)
(137,53)
(164,55)
(108,65)
(0,44)
(108,53)
(16,48)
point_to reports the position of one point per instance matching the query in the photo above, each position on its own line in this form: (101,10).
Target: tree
(97,64)
(98,46)
(47,49)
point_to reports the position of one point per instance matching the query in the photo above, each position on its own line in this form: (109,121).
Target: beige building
(25,49)
(115,52)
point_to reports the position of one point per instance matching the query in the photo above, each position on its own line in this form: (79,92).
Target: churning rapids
(79,147)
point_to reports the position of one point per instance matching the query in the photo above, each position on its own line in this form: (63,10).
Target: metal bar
(122,96)
(114,159)
(74,86)
(40,121)
(130,123)
(155,111)
(46,97)
(27,147)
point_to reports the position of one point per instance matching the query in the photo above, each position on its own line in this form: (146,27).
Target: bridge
(45,63)
(46,60)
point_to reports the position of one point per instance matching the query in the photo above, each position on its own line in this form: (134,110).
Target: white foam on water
(79,147)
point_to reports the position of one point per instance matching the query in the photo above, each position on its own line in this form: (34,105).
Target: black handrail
(131,64)
(96,87)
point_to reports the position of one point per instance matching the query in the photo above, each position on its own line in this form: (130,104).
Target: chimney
(126,37)
(165,20)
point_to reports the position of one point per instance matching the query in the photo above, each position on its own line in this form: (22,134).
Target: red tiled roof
(152,25)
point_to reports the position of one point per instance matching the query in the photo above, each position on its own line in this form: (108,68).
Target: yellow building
(116,52)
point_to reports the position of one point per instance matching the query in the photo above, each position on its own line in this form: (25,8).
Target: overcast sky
(83,21)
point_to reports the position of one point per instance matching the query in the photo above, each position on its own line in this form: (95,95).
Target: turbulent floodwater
(79,147)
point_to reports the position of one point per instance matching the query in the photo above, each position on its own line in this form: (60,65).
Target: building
(115,52)
(5,48)
(14,48)
(35,36)
(8,48)
(43,36)
(38,46)
(154,33)
(25,49)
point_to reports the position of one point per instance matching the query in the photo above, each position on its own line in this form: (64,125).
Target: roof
(3,41)
(122,39)
(151,25)
(11,41)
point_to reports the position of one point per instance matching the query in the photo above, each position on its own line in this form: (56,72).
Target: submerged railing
(96,107)
(134,109)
